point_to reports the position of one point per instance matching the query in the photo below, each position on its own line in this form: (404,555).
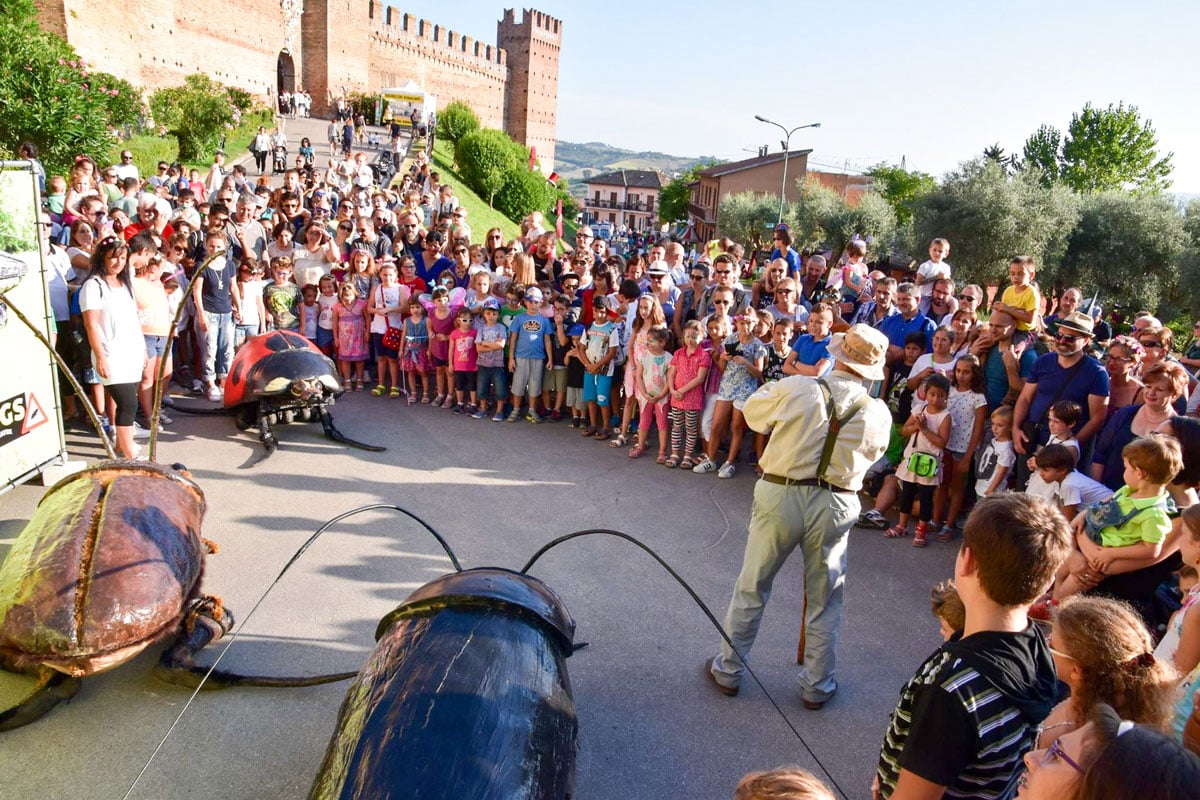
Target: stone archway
(285,71)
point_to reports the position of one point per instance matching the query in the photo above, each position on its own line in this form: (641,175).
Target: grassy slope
(479,215)
(149,149)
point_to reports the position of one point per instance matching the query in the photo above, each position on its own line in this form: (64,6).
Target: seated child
(948,608)
(1180,645)
(1060,421)
(1127,531)
(1061,484)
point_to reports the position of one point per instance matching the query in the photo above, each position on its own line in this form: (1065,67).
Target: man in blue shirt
(1069,373)
(910,319)
(1005,367)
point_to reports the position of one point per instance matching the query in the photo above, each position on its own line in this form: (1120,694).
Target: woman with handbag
(920,469)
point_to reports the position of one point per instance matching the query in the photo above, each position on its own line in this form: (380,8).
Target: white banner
(31,432)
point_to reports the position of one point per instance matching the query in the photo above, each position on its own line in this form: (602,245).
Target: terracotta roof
(634,178)
(750,163)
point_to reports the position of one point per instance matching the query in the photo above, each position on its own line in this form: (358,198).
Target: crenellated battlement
(538,20)
(403,29)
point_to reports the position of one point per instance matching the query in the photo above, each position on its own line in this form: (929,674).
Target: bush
(524,190)
(239,98)
(485,159)
(455,121)
(121,98)
(48,96)
(196,113)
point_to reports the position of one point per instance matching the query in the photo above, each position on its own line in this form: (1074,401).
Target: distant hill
(576,162)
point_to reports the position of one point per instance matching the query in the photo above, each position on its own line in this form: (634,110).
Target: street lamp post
(786,148)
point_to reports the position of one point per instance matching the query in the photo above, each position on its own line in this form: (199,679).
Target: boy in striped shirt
(972,710)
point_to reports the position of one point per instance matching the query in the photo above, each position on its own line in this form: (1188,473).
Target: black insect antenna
(246,620)
(66,371)
(707,612)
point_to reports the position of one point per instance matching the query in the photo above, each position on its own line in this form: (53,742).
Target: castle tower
(334,60)
(533,45)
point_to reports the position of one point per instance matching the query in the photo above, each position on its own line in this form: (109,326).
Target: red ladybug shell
(267,363)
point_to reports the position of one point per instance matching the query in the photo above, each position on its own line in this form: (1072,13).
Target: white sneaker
(704,467)
(726,471)
(215,394)
(139,432)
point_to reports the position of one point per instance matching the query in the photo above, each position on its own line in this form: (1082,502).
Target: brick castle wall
(337,47)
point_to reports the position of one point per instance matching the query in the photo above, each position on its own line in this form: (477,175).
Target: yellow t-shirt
(1026,299)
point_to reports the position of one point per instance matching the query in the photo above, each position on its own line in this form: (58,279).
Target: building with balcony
(627,197)
(763,174)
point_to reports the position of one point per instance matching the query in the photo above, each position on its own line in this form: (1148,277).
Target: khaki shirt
(793,411)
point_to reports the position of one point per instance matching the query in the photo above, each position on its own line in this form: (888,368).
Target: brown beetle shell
(103,570)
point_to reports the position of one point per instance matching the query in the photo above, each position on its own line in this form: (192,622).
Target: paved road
(651,726)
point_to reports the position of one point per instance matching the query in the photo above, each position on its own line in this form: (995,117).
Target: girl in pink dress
(350,334)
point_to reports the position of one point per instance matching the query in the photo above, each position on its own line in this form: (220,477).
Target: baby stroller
(279,159)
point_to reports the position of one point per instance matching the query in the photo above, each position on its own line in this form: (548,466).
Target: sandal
(379,390)
(601,436)
(411,400)
(670,463)
(394,393)
(920,536)
(618,441)
(588,432)
(662,459)
(896,532)
(687,463)
(947,534)
(358,386)
(425,400)
(637,451)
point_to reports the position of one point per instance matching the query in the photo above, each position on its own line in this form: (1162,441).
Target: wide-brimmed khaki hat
(1078,323)
(862,349)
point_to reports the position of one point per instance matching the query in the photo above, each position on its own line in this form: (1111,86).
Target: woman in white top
(313,259)
(282,244)
(110,316)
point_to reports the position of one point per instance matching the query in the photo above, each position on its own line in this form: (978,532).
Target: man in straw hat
(1066,373)
(825,433)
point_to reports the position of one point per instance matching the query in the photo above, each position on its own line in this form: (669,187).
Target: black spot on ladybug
(277,343)
(236,376)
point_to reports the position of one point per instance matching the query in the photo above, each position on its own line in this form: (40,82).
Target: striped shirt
(955,728)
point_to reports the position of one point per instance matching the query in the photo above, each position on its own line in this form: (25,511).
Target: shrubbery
(485,159)
(196,113)
(455,121)
(49,96)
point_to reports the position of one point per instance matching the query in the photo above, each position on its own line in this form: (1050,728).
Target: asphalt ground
(650,724)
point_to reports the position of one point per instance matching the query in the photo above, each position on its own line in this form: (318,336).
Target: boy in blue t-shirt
(810,354)
(528,344)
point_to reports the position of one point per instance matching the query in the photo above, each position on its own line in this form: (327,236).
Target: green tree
(1113,148)
(196,113)
(989,217)
(524,190)
(1043,151)
(455,121)
(1188,264)
(810,215)
(121,99)
(747,216)
(900,188)
(872,218)
(48,95)
(676,196)
(1125,246)
(485,158)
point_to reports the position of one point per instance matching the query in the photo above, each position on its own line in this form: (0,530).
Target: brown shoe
(816,705)
(728,691)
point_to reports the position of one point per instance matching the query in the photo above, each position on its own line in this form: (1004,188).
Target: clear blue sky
(935,81)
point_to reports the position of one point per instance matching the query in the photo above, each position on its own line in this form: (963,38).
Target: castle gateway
(330,48)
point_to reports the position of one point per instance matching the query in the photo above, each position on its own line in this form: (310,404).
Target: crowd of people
(1078,449)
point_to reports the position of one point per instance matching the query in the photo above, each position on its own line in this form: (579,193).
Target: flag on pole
(558,225)
(533,158)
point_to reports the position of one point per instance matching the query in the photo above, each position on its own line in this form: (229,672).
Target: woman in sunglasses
(1110,758)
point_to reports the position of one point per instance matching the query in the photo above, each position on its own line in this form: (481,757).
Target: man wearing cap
(807,498)
(1069,373)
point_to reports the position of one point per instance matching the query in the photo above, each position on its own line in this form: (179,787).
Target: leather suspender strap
(836,424)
